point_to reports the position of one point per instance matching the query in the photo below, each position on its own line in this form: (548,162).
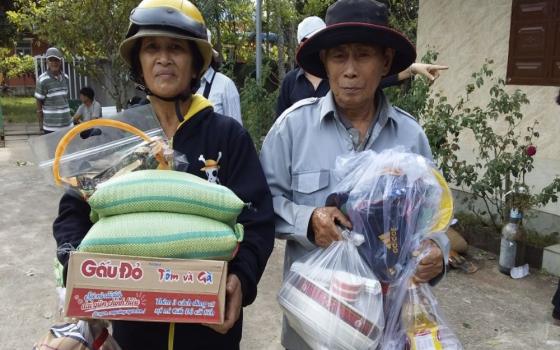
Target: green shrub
(502,158)
(258,107)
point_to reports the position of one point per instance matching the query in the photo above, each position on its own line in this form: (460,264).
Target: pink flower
(531,150)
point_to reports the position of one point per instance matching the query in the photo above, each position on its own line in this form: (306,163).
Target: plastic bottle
(420,323)
(511,243)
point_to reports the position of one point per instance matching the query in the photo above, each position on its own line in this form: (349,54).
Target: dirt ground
(487,310)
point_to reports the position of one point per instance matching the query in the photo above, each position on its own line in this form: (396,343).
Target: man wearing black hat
(354,52)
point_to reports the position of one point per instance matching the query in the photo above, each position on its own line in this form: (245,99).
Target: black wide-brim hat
(355,21)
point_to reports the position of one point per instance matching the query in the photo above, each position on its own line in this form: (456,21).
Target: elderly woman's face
(355,71)
(167,65)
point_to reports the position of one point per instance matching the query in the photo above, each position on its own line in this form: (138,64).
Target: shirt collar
(300,72)
(207,77)
(57,77)
(198,103)
(383,112)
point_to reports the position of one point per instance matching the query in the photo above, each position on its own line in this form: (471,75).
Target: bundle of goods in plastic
(415,321)
(332,299)
(395,200)
(139,211)
(107,150)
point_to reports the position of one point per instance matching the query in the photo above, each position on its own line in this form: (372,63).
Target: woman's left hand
(233,305)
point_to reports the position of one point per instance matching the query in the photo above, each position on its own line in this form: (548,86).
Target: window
(23,47)
(534,43)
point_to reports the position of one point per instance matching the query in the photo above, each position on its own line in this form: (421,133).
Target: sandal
(457,261)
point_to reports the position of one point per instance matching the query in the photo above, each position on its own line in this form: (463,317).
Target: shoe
(459,262)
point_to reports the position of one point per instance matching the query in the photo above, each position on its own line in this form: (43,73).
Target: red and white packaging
(115,287)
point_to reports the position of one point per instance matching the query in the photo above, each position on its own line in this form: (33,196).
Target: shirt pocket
(308,187)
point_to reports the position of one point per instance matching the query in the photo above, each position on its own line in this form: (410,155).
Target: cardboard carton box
(119,287)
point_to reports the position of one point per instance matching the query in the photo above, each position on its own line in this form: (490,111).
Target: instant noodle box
(116,287)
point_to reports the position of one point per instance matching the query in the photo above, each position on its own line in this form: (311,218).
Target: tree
(403,15)
(7,30)
(90,30)
(229,21)
(12,66)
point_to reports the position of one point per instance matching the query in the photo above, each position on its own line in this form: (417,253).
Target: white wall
(465,33)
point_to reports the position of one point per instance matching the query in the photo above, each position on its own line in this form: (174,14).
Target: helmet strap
(185,95)
(178,111)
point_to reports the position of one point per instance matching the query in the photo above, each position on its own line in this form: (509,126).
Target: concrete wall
(465,33)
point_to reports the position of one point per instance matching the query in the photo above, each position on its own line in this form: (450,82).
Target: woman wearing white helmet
(167,50)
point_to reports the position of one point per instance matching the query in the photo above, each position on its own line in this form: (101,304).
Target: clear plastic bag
(82,335)
(414,320)
(394,199)
(101,140)
(105,149)
(397,199)
(332,299)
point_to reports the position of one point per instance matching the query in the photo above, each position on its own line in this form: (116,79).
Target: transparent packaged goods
(395,199)
(398,200)
(424,328)
(332,299)
(82,157)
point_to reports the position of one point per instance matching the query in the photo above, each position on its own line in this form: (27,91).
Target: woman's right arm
(71,225)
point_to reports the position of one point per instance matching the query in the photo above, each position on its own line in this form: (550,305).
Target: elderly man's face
(54,64)
(354,72)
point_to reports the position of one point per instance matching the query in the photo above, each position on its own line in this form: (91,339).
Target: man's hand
(430,71)
(324,225)
(233,305)
(431,265)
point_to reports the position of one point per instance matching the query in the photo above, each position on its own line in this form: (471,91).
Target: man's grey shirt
(298,157)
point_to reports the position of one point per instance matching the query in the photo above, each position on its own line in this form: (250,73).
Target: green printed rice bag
(164,191)
(163,235)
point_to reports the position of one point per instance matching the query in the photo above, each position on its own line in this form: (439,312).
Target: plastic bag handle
(65,141)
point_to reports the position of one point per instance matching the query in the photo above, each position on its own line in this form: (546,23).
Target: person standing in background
(89,109)
(219,89)
(299,84)
(51,92)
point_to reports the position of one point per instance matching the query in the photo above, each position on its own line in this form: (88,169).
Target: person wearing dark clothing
(168,62)
(295,87)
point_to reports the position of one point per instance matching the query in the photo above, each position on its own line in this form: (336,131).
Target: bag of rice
(164,191)
(163,235)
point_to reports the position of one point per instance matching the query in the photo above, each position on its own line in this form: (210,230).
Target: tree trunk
(281,47)
(266,28)
(218,40)
(292,45)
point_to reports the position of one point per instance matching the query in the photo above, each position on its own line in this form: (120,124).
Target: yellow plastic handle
(445,205)
(63,143)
